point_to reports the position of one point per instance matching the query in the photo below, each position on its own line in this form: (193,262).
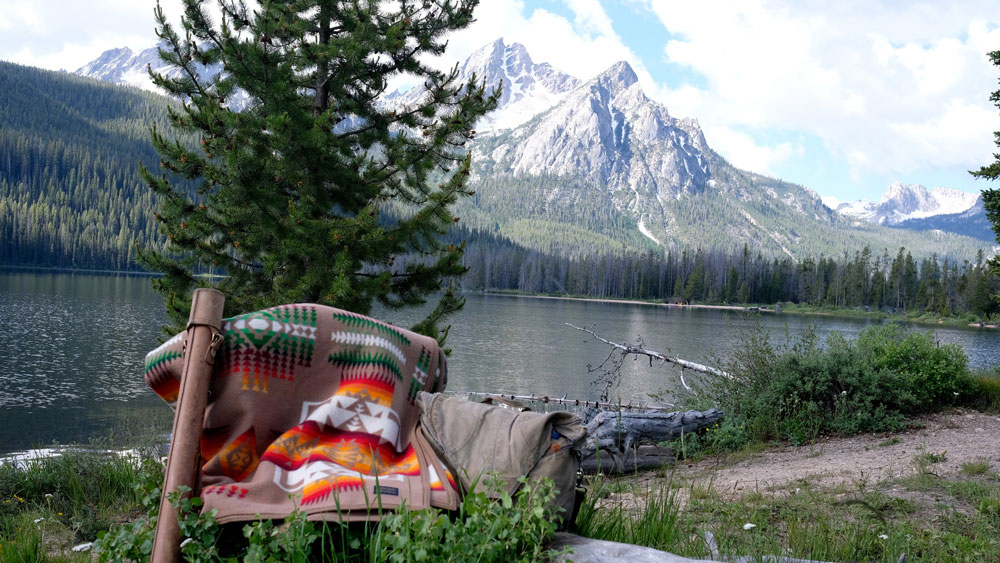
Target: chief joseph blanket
(314,407)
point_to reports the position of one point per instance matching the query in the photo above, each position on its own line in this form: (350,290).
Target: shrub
(804,390)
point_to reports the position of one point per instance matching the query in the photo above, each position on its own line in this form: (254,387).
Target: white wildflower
(83,547)
(883,537)
(749,526)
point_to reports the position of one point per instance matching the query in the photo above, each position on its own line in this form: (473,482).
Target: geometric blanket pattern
(314,407)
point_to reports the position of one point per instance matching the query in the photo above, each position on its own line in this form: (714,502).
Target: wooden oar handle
(204,334)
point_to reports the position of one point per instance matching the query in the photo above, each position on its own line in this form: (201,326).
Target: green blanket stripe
(362,322)
(295,315)
(415,388)
(162,358)
(350,358)
(424,361)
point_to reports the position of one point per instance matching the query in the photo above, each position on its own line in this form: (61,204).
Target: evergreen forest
(70,191)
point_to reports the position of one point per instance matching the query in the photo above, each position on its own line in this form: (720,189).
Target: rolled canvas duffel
(477,440)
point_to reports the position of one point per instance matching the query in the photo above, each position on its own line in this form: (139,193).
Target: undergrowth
(510,529)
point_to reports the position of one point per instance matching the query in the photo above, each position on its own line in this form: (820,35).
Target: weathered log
(622,431)
(643,458)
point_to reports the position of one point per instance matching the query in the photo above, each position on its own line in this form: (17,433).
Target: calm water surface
(72,348)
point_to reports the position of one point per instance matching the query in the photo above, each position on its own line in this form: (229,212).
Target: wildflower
(60,514)
(48,496)
(749,526)
(37,520)
(185,542)
(883,537)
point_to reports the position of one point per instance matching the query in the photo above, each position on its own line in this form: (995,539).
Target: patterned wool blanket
(314,407)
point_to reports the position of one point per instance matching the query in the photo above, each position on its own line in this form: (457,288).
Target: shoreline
(755,309)
(629,302)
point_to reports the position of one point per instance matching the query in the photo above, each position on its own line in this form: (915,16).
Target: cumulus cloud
(56,34)
(891,88)
(743,151)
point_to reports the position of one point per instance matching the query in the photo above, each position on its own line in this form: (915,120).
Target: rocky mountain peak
(528,88)
(907,198)
(617,77)
(904,202)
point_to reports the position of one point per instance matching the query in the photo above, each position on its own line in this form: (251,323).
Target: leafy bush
(509,529)
(805,390)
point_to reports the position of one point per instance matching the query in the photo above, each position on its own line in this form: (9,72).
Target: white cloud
(60,34)
(892,88)
(744,152)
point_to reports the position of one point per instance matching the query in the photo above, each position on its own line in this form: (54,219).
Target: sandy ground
(961,436)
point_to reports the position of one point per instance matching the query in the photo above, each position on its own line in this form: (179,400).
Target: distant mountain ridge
(971,223)
(575,167)
(122,66)
(527,88)
(903,202)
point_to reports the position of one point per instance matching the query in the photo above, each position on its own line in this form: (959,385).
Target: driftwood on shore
(617,436)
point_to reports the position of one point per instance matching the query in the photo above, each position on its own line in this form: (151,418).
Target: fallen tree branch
(654,355)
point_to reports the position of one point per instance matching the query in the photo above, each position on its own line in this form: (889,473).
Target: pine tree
(316,191)
(991,197)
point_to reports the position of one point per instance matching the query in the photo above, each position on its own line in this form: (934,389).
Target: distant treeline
(891,282)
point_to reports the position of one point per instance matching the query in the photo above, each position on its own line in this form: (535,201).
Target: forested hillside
(70,193)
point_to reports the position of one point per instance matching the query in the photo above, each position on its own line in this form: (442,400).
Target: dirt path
(962,436)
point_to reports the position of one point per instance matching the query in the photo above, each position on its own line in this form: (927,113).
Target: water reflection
(72,348)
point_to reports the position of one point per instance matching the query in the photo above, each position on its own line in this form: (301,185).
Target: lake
(72,349)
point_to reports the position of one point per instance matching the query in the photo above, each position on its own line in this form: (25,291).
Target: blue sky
(843,97)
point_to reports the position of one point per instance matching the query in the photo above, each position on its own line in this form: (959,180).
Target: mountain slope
(607,146)
(527,88)
(70,192)
(971,223)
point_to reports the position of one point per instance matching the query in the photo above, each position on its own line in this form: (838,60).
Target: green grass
(48,505)
(933,519)
(977,467)
(987,396)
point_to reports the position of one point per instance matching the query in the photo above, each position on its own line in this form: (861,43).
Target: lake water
(72,349)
